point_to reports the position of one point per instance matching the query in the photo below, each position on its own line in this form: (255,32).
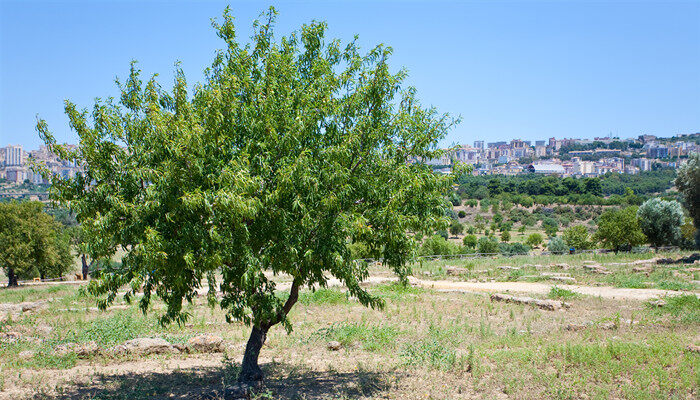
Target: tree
(289,151)
(577,237)
(619,229)
(550,226)
(456,228)
(31,243)
(505,236)
(557,246)
(469,241)
(487,245)
(688,184)
(661,221)
(534,239)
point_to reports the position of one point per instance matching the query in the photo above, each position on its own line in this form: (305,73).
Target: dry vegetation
(424,344)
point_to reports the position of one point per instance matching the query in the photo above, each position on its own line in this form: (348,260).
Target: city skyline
(531,70)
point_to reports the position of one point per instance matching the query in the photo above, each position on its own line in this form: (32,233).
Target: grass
(423,344)
(683,308)
(562,294)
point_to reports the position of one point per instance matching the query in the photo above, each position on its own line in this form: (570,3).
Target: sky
(510,69)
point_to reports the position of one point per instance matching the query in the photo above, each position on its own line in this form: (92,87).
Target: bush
(462,214)
(550,226)
(437,245)
(469,241)
(505,236)
(456,228)
(510,249)
(577,237)
(455,200)
(487,245)
(471,229)
(557,246)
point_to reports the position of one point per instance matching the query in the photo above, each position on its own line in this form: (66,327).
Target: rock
(561,266)
(646,268)
(597,268)
(145,346)
(240,391)
(27,354)
(81,350)
(657,303)
(578,327)
(508,268)
(608,325)
(206,344)
(15,309)
(693,348)
(455,271)
(44,330)
(566,279)
(10,337)
(550,305)
(334,345)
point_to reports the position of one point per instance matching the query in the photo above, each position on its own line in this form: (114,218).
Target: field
(441,338)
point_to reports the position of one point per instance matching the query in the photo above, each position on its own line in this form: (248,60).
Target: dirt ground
(442,337)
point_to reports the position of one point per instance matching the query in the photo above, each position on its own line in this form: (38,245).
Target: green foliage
(455,199)
(556,245)
(688,184)
(469,241)
(497,218)
(487,245)
(534,239)
(550,226)
(456,228)
(685,308)
(562,294)
(661,221)
(619,229)
(287,149)
(577,237)
(437,245)
(32,242)
(323,296)
(510,249)
(505,236)
(462,214)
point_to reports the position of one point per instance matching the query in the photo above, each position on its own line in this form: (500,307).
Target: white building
(14,155)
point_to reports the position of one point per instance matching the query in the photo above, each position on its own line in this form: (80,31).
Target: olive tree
(688,184)
(288,152)
(661,221)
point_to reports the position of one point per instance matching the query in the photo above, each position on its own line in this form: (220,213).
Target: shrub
(469,241)
(497,218)
(437,245)
(462,214)
(557,246)
(513,248)
(456,228)
(505,236)
(455,200)
(619,229)
(487,245)
(577,237)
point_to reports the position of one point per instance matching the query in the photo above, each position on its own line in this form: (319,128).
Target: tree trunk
(11,278)
(86,268)
(250,370)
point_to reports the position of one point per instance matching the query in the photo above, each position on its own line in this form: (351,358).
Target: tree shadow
(283,381)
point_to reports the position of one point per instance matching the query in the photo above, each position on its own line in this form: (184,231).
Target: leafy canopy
(661,221)
(619,229)
(31,242)
(290,150)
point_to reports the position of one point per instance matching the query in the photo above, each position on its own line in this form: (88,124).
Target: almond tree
(289,151)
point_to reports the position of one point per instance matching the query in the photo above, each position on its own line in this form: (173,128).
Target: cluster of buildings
(15,164)
(547,157)
(507,158)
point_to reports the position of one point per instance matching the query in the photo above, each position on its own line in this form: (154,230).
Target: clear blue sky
(514,69)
